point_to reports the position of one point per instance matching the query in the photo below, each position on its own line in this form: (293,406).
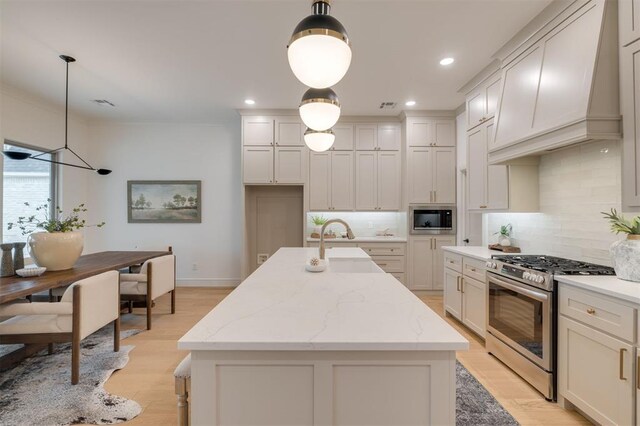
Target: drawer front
(383,249)
(453,261)
(598,311)
(389,263)
(474,268)
(400,277)
(328,245)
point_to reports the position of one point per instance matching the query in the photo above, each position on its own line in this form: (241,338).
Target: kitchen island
(330,348)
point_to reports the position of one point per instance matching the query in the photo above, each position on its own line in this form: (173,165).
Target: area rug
(38,391)
(475,406)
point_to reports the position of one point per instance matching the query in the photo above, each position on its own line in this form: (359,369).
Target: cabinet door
(420,175)
(518,98)
(389,180)
(345,135)
(257,131)
(289,131)
(477,168)
(258,164)
(366,184)
(497,192)
(389,138)
(444,133)
(421,272)
(492,92)
(452,294)
(419,132)
(474,305)
(444,175)
(366,137)
(476,107)
(438,259)
(342,180)
(630,94)
(319,181)
(595,372)
(289,163)
(629,23)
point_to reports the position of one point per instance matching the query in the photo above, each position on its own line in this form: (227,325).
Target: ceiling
(196,61)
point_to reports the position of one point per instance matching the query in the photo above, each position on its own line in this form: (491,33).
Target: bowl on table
(31,272)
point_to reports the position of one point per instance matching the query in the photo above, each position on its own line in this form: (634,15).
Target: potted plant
(625,254)
(318,221)
(59,245)
(504,235)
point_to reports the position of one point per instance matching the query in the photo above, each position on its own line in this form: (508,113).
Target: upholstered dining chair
(86,306)
(157,277)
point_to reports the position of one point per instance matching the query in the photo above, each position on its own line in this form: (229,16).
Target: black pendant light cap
(320,24)
(320,95)
(103,171)
(16,155)
(67,59)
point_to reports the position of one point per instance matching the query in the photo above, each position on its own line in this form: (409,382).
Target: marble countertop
(607,285)
(283,307)
(476,252)
(394,239)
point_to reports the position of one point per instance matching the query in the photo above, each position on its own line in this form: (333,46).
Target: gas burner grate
(555,265)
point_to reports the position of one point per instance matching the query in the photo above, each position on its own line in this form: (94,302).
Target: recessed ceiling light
(410,103)
(446,61)
(249,101)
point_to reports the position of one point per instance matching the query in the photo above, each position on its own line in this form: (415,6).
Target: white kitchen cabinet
(483,101)
(289,131)
(366,137)
(331,181)
(630,97)
(320,181)
(342,181)
(474,306)
(389,137)
(438,259)
(422,131)
(629,21)
(452,293)
(426,262)
(258,164)
(290,165)
(345,137)
(257,130)
(432,175)
(444,133)
(378,178)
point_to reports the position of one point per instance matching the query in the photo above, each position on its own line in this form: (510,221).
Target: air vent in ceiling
(103,102)
(388,105)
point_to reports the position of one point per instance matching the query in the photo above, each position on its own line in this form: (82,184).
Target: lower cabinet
(426,271)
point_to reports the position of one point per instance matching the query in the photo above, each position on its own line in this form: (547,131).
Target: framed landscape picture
(164,201)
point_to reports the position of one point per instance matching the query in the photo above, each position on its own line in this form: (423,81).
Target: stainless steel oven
(432,220)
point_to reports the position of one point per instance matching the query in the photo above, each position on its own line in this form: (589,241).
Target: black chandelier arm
(64,164)
(80,158)
(47,152)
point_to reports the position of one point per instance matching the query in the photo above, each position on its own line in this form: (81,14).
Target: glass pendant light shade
(320,109)
(319,141)
(319,51)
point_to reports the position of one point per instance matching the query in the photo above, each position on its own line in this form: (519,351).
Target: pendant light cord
(66,109)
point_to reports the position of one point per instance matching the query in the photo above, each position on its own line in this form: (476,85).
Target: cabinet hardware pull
(638,373)
(435,196)
(591,311)
(382,264)
(483,207)
(462,285)
(622,351)
(457,283)
(452,262)
(473,269)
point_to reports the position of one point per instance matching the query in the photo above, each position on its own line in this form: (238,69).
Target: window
(25,181)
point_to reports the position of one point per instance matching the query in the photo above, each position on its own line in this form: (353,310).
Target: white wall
(210,153)
(576,184)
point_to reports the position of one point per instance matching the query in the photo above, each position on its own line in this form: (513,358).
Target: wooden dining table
(15,287)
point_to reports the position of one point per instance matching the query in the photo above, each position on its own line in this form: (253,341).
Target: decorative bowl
(31,272)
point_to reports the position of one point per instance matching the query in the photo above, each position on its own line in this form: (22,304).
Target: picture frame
(164,201)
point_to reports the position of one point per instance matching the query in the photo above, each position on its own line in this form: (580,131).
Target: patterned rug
(38,391)
(475,406)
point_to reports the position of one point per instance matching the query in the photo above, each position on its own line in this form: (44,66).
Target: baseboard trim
(207,282)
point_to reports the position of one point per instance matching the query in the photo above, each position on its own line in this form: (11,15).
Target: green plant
(620,224)
(318,220)
(505,230)
(51,222)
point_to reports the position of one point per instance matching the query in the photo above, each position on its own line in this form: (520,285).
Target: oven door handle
(518,289)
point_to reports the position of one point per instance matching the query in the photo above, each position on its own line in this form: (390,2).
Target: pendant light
(319,51)
(15,155)
(319,109)
(319,141)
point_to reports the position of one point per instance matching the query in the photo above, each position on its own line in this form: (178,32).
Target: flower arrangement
(622,225)
(505,231)
(56,222)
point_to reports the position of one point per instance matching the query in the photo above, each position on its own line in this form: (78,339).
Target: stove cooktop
(555,265)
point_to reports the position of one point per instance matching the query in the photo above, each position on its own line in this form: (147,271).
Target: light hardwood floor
(148,377)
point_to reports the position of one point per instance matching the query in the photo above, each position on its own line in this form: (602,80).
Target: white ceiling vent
(103,102)
(388,105)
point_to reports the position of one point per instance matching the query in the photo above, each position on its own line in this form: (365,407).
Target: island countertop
(282,307)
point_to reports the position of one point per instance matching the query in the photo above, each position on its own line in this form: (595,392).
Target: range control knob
(539,279)
(491,265)
(526,275)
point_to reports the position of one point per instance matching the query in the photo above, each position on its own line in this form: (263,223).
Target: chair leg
(50,348)
(116,335)
(75,360)
(149,304)
(130,306)
(173,301)
(183,402)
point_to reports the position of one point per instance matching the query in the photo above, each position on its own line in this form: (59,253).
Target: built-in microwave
(432,220)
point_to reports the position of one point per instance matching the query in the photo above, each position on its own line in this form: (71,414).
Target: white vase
(504,241)
(625,255)
(55,251)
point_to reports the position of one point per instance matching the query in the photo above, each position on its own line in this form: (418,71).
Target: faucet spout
(329,222)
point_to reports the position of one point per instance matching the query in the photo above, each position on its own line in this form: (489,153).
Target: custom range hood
(559,83)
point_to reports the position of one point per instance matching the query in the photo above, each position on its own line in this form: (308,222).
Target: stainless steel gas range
(522,310)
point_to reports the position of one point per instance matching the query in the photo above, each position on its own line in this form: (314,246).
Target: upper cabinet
(331,181)
(431,175)
(378,180)
(483,102)
(630,93)
(345,137)
(629,21)
(423,131)
(289,131)
(560,87)
(378,137)
(366,137)
(257,131)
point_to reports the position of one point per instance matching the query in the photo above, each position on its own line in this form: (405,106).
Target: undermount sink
(355,266)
